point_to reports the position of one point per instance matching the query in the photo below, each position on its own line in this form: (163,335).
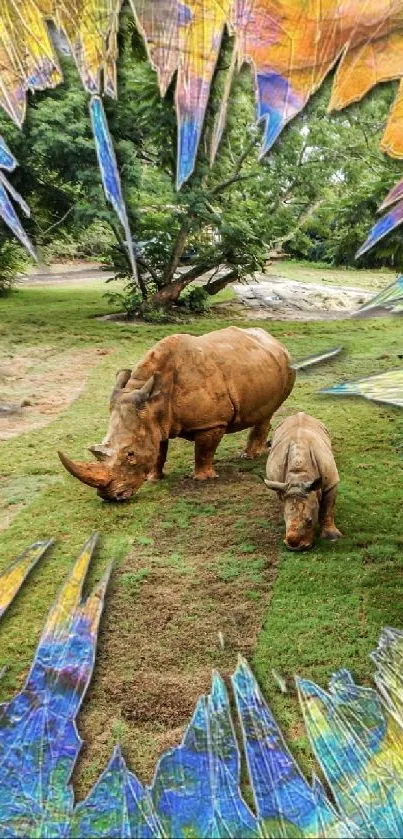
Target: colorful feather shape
(7,211)
(385,387)
(39,742)
(110,172)
(359,745)
(356,734)
(389,299)
(291,45)
(13,577)
(382,228)
(317,358)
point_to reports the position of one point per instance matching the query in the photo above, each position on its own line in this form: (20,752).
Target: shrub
(196,299)
(12,262)
(130,298)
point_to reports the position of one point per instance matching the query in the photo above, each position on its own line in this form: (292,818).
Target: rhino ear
(100,452)
(312,486)
(276,486)
(122,378)
(148,391)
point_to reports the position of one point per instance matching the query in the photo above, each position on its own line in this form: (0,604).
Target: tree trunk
(170,293)
(221,282)
(179,247)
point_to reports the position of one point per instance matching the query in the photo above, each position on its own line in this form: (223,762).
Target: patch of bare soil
(38,384)
(66,274)
(17,493)
(191,601)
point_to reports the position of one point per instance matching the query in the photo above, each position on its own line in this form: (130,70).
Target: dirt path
(175,610)
(65,274)
(38,383)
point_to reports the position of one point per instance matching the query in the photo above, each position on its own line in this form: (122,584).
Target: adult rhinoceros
(199,388)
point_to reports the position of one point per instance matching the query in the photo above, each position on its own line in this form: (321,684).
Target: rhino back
(231,377)
(301,448)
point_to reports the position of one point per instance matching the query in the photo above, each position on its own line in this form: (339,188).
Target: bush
(12,261)
(90,242)
(95,240)
(196,299)
(62,247)
(130,299)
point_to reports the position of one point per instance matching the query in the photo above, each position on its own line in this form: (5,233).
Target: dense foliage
(314,196)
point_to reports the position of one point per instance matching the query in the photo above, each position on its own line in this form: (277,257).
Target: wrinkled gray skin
(302,470)
(197,388)
(130,419)
(301,507)
(122,467)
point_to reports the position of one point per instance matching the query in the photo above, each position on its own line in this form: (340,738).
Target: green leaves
(314,196)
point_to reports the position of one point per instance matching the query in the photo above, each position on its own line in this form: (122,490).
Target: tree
(314,195)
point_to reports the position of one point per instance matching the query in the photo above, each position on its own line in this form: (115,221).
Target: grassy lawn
(200,573)
(305,272)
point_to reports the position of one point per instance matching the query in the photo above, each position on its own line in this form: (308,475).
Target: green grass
(307,272)
(326,608)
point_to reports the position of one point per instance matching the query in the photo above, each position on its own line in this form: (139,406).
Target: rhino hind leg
(328,529)
(206,443)
(157,473)
(257,440)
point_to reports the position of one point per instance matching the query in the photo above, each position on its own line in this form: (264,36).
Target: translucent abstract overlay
(317,358)
(356,734)
(390,299)
(291,46)
(385,387)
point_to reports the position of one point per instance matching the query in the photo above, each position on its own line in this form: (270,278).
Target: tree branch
(238,166)
(56,224)
(171,292)
(214,286)
(177,252)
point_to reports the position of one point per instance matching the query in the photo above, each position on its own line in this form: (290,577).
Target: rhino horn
(93,474)
(122,378)
(275,485)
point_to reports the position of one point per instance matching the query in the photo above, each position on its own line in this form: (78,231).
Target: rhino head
(129,451)
(301,511)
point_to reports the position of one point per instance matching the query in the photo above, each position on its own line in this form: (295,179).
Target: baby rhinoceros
(302,470)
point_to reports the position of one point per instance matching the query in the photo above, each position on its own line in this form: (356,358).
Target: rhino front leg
(327,523)
(157,473)
(206,443)
(257,440)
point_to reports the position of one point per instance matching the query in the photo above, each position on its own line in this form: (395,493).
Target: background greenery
(314,196)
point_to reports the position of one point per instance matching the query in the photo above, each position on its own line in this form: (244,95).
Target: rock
(286,296)
(9,409)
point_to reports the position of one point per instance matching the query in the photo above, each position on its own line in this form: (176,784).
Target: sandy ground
(38,383)
(65,274)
